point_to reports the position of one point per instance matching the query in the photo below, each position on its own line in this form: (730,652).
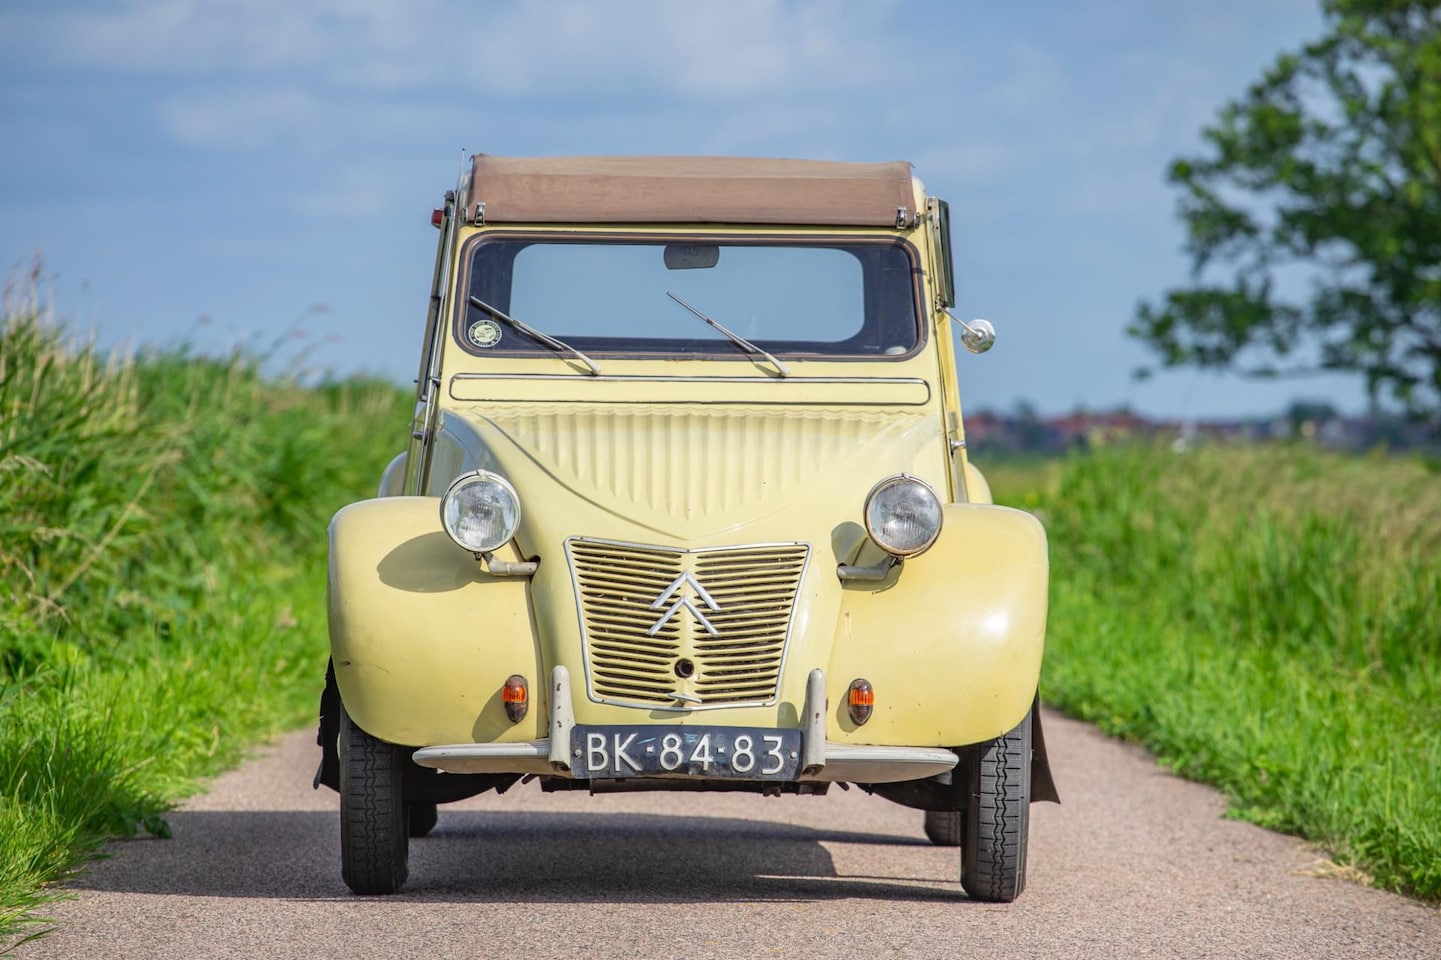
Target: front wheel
(374,827)
(998,817)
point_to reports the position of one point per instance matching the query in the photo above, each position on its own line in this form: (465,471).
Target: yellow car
(687,505)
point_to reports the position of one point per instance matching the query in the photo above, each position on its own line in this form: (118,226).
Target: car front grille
(685,628)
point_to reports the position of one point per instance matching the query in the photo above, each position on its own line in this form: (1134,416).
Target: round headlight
(903,516)
(480,511)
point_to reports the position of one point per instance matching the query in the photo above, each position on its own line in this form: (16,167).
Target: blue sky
(263,171)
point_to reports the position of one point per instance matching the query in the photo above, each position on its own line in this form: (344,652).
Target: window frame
(702,346)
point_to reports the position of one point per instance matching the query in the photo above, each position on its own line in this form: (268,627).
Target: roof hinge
(903,218)
(479,212)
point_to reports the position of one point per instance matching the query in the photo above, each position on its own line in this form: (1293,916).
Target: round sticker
(484,333)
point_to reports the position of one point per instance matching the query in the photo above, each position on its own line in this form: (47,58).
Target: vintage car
(687,506)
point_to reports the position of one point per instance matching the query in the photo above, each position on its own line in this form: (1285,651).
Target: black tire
(998,817)
(422,818)
(374,832)
(944,828)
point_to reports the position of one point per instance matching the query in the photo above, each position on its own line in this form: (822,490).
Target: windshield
(610,297)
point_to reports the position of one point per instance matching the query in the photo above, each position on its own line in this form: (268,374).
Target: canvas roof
(689,190)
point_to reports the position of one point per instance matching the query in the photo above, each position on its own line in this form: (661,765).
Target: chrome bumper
(823,760)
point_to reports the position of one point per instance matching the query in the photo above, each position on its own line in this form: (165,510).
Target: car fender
(951,640)
(422,638)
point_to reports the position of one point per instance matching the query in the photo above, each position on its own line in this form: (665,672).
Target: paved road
(1134,864)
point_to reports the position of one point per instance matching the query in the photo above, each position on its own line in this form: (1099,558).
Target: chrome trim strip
(527,750)
(590,693)
(870,753)
(864,763)
(651,378)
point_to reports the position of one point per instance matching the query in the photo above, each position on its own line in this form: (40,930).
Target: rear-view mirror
(688,256)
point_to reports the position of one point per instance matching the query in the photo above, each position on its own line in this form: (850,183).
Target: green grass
(1267,620)
(162,557)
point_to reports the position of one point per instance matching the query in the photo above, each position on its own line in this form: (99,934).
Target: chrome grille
(745,594)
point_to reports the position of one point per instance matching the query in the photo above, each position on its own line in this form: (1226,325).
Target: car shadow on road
(518,857)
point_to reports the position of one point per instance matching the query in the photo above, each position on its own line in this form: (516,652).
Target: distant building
(1026,432)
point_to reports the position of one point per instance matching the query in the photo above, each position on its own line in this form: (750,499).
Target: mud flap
(328,737)
(1043,785)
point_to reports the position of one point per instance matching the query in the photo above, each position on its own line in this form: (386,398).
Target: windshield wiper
(734,337)
(535,334)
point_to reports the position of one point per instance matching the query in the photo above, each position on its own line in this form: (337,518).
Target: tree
(1318,199)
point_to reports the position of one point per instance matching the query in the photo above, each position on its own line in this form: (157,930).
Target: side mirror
(978,336)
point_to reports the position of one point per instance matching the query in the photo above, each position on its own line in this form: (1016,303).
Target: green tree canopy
(1313,215)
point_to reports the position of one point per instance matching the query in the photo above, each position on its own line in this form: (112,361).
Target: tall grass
(162,545)
(1265,619)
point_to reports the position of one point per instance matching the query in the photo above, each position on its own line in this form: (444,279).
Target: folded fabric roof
(689,190)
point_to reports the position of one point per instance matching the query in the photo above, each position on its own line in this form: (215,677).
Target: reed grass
(162,558)
(1266,619)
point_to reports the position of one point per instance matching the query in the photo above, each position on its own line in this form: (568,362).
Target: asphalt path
(1134,863)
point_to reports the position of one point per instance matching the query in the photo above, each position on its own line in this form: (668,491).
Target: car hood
(692,472)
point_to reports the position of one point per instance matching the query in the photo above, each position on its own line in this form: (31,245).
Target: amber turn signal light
(516,697)
(861,701)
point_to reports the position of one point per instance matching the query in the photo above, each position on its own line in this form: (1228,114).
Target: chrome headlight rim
(493,479)
(888,483)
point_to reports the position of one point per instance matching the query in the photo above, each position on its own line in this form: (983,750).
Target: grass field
(1264,619)
(161,579)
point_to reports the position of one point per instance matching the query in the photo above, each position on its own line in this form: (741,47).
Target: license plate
(743,753)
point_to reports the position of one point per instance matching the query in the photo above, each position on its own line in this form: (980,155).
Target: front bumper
(821,761)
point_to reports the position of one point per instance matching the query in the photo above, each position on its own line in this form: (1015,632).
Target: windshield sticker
(484,333)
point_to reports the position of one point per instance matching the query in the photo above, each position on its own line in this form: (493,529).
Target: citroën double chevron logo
(684,602)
